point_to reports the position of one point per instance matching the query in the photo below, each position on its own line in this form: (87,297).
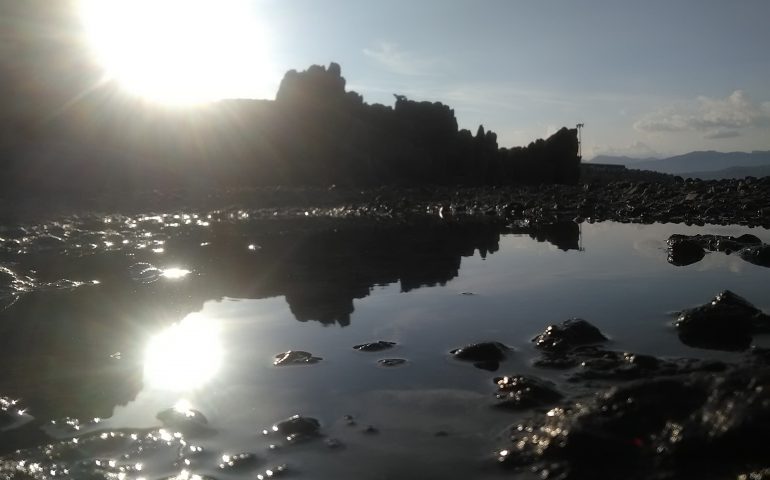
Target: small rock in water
(375,346)
(370,430)
(295,428)
(391,362)
(570,334)
(183,419)
(522,391)
(485,355)
(683,250)
(726,323)
(237,462)
(295,357)
(144,272)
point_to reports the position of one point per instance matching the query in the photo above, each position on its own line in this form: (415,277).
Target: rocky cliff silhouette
(314,133)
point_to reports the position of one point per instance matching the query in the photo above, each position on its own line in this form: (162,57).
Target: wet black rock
(184,420)
(521,391)
(688,426)
(295,357)
(689,249)
(295,428)
(391,362)
(484,355)
(238,462)
(682,250)
(758,255)
(726,323)
(377,346)
(568,335)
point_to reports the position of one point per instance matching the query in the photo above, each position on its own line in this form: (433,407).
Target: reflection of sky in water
(247,306)
(185,355)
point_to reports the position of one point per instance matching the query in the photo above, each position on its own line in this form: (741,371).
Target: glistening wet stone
(295,429)
(484,355)
(295,357)
(519,392)
(567,335)
(377,346)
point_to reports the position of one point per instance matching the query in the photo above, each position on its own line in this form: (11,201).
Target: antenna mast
(580,139)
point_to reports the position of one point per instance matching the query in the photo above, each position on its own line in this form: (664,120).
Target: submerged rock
(391,362)
(568,335)
(522,391)
(377,346)
(295,428)
(295,357)
(484,355)
(726,323)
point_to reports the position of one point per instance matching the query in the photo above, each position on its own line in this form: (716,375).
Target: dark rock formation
(685,250)
(569,334)
(484,355)
(726,323)
(314,133)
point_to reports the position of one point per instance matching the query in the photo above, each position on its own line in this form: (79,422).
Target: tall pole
(580,139)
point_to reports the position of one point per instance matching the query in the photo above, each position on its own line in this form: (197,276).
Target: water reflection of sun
(185,355)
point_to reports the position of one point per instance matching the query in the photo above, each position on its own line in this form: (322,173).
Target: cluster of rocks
(691,201)
(688,249)
(668,418)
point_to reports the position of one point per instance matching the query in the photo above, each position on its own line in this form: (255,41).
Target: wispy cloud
(391,57)
(717,118)
(719,134)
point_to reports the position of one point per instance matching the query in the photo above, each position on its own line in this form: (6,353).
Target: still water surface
(121,322)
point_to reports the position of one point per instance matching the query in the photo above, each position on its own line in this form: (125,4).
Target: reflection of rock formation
(564,235)
(59,345)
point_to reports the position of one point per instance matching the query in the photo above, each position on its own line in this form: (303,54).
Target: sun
(180,51)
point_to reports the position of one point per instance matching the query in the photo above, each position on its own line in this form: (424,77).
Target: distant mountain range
(708,164)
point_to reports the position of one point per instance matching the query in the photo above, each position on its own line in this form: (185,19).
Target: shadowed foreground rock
(696,426)
(726,323)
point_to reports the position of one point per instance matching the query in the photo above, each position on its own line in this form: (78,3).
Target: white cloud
(719,134)
(399,61)
(719,118)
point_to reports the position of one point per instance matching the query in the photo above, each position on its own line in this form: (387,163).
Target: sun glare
(185,355)
(180,51)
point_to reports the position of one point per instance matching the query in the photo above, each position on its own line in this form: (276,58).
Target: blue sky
(647,78)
